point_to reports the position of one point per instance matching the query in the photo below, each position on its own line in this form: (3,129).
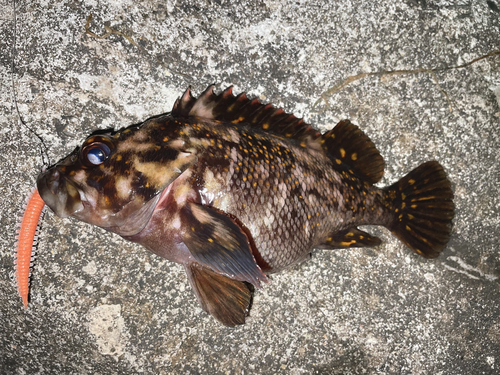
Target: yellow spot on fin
(424,224)
(352,237)
(347,244)
(347,142)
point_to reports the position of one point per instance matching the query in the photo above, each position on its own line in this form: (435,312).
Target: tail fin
(423,202)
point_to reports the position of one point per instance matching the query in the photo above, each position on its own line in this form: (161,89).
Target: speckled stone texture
(100,305)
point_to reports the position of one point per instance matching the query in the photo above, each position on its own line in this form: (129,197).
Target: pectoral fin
(352,237)
(217,242)
(227,300)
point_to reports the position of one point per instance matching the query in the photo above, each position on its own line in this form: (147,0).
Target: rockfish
(234,190)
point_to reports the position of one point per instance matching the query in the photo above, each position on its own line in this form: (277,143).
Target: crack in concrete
(432,71)
(109,31)
(467,269)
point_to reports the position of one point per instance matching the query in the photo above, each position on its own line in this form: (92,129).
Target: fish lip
(59,193)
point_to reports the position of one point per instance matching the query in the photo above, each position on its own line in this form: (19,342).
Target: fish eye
(96,153)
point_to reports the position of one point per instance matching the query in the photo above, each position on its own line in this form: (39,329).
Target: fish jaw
(68,198)
(59,193)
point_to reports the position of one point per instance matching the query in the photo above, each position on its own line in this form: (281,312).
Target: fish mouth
(59,193)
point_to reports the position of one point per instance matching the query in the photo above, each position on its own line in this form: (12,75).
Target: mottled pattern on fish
(234,189)
(289,198)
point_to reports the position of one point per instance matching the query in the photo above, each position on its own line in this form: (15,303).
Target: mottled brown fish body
(288,198)
(234,189)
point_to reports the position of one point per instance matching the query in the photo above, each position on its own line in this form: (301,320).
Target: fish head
(114,180)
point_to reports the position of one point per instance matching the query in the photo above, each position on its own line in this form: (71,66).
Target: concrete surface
(103,306)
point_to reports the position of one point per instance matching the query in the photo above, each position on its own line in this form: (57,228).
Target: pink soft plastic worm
(27,239)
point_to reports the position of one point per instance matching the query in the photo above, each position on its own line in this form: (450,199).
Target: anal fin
(227,300)
(352,237)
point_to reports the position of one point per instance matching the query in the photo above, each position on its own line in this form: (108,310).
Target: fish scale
(265,187)
(234,189)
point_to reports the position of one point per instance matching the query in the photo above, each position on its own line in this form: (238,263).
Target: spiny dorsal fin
(347,145)
(184,104)
(240,109)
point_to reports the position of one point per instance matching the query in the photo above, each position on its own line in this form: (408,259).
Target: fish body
(234,190)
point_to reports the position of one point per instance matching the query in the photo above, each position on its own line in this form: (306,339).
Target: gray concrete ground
(101,305)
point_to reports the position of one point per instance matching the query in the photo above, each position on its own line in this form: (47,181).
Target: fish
(234,190)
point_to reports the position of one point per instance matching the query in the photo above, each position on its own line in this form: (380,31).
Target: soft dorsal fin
(240,109)
(348,146)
